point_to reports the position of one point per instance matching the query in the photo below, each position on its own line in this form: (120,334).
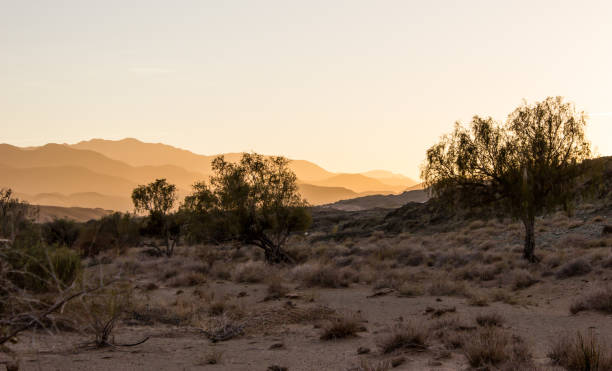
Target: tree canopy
(255,201)
(527,165)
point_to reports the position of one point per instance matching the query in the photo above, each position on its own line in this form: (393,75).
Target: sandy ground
(542,317)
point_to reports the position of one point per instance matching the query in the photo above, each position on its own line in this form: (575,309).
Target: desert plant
(576,267)
(341,327)
(527,166)
(581,353)
(157,199)
(489,319)
(600,300)
(255,201)
(406,336)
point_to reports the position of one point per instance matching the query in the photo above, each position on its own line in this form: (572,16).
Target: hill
(359,183)
(379,201)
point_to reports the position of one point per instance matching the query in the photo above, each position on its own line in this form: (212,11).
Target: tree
(255,201)
(15,215)
(527,166)
(157,198)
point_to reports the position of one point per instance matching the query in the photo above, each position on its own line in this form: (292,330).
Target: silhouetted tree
(15,215)
(255,201)
(527,166)
(157,198)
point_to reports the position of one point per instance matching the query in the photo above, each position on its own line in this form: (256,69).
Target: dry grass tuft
(213,357)
(522,279)
(490,319)
(407,336)
(368,366)
(581,353)
(317,275)
(576,267)
(342,327)
(447,287)
(491,346)
(251,272)
(599,300)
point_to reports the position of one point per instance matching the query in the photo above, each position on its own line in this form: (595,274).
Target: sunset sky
(350,85)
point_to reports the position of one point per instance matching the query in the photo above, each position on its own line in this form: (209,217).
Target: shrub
(490,346)
(251,272)
(41,265)
(490,319)
(581,353)
(62,232)
(599,300)
(576,267)
(407,336)
(316,275)
(341,327)
(447,287)
(522,279)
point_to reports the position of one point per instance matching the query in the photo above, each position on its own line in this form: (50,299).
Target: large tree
(527,165)
(157,199)
(255,201)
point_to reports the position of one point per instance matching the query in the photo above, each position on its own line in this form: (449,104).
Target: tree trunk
(528,250)
(275,254)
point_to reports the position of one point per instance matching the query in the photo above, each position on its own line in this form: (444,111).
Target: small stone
(363,350)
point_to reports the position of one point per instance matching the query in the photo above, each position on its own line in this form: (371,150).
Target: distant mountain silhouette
(103,173)
(359,183)
(57,155)
(137,153)
(390,178)
(379,201)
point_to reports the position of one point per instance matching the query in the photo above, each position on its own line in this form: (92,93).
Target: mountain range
(102,173)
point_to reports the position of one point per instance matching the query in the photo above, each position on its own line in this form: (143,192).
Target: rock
(363,350)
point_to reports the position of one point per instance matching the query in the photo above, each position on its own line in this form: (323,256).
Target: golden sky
(351,85)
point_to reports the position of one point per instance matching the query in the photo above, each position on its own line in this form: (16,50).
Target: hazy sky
(351,85)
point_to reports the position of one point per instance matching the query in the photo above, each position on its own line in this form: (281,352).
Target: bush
(341,327)
(115,231)
(404,337)
(39,266)
(581,353)
(61,232)
(599,300)
(251,272)
(316,275)
(490,346)
(576,267)
(490,319)
(523,279)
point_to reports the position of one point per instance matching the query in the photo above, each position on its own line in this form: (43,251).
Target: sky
(350,85)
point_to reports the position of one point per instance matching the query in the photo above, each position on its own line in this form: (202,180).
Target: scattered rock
(363,350)
(277,368)
(381,292)
(277,346)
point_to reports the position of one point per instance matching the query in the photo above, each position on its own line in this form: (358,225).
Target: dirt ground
(368,281)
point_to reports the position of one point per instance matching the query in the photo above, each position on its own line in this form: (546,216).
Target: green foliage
(15,214)
(156,198)
(255,201)
(527,166)
(115,231)
(39,267)
(62,232)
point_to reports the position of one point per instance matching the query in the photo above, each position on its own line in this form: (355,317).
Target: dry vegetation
(452,299)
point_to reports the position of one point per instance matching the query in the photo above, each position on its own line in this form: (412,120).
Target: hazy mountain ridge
(102,173)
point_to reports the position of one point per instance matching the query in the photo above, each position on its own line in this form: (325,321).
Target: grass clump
(491,346)
(582,353)
(490,320)
(599,300)
(341,327)
(576,267)
(407,336)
